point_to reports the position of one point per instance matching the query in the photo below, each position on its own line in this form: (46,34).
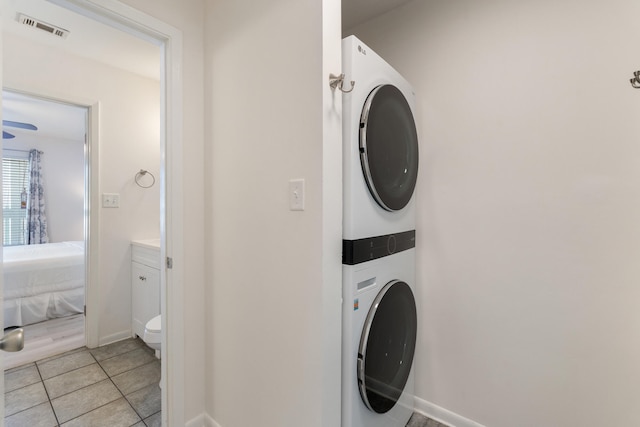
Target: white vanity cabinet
(145,284)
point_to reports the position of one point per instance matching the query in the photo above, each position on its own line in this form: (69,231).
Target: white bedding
(43,282)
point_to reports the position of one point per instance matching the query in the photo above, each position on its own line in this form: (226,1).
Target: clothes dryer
(379,319)
(380,146)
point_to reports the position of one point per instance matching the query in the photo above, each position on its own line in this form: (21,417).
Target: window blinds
(15,179)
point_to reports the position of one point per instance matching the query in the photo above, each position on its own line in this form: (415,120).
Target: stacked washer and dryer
(379,312)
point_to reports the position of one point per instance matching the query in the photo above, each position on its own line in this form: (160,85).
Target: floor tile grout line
(38,365)
(96,408)
(55,357)
(47,401)
(47,392)
(26,409)
(81,388)
(132,369)
(122,395)
(94,361)
(129,403)
(19,368)
(70,370)
(131,391)
(93,409)
(128,370)
(26,385)
(132,407)
(120,354)
(151,416)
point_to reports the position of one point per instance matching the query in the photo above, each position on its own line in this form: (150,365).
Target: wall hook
(338,82)
(635,81)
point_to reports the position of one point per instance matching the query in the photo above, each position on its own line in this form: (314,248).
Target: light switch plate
(110,200)
(296,194)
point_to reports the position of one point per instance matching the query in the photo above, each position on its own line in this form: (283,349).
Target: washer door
(389,147)
(387,346)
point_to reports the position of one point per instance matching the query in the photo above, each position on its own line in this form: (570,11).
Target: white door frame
(169,39)
(91,201)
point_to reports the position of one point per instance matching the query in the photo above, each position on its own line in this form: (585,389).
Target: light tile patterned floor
(418,420)
(110,386)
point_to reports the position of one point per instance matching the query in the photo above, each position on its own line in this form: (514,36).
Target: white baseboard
(423,407)
(118,336)
(442,415)
(202,420)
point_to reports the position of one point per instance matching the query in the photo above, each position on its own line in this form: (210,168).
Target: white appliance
(378,342)
(380,169)
(380,146)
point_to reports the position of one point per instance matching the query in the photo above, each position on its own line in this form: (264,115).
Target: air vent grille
(41,25)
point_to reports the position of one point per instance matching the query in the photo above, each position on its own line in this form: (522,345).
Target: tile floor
(111,386)
(418,420)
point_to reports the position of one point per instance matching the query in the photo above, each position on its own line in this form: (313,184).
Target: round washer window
(387,346)
(389,147)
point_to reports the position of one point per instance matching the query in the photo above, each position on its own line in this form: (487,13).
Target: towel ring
(141,174)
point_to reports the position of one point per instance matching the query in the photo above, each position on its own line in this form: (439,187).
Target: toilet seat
(154,325)
(153,332)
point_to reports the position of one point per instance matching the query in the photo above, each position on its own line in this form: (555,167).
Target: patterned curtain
(36,216)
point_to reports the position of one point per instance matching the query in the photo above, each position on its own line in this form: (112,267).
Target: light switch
(110,200)
(296,194)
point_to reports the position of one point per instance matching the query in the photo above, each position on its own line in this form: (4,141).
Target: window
(15,179)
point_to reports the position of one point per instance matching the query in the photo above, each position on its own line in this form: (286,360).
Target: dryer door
(389,147)
(387,346)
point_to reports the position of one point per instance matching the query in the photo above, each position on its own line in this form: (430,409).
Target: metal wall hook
(635,81)
(337,82)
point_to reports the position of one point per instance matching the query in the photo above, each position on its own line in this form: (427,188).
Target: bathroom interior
(553,177)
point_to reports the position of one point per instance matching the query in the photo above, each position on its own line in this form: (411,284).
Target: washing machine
(379,320)
(380,146)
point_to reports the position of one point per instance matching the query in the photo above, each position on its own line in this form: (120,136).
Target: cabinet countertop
(149,243)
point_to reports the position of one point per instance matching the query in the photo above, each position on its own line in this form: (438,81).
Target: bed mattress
(42,282)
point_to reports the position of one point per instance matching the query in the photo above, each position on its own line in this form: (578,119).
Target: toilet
(153,334)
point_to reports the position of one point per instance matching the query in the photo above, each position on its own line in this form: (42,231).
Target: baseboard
(442,415)
(423,407)
(202,420)
(118,336)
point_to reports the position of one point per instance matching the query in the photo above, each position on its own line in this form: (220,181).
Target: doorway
(44,278)
(168,41)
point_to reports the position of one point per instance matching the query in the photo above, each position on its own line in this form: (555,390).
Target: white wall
(529,206)
(272,315)
(129,141)
(63,172)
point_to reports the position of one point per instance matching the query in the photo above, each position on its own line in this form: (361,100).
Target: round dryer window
(389,147)
(387,346)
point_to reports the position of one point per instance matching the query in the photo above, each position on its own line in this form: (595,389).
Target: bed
(43,282)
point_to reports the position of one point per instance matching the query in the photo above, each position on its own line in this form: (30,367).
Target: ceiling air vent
(41,25)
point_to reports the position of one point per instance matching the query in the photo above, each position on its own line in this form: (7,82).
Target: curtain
(36,216)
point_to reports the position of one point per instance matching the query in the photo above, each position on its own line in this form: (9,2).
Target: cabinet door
(145,296)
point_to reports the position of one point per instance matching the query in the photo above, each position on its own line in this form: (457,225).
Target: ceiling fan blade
(20,125)
(7,135)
